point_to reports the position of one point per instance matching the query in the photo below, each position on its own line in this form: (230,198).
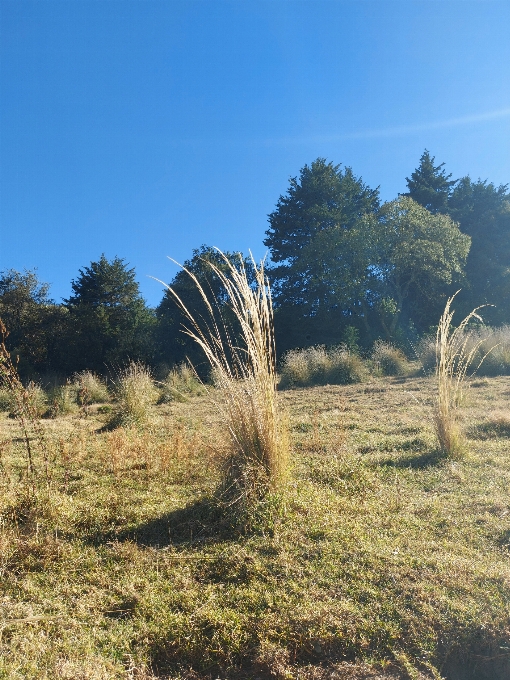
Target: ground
(380,560)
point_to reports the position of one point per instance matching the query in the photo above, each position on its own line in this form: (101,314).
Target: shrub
(90,389)
(6,400)
(388,359)
(61,400)
(135,394)
(246,396)
(321,366)
(180,383)
(492,351)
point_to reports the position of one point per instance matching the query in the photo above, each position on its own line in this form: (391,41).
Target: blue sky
(143,129)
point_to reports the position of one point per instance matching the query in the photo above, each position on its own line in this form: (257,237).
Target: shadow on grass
(419,462)
(199,522)
(492,429)
(504,540)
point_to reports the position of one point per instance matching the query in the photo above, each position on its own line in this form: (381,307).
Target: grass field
(385,560)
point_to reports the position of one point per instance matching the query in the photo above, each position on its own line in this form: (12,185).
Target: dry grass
(245,381)
(492,344)
(180,383)
(135,394)
(321,366)
(455,354)
(388,563)
(90,389)
(389,360)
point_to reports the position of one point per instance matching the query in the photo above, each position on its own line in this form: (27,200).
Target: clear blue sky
(143,129)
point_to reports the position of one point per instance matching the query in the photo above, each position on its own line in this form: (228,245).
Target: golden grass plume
(243,363)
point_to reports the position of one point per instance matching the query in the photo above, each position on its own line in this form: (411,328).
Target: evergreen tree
(429,185)
(31,319)
(319,244)
(173,345)
(109,321)
(483,212)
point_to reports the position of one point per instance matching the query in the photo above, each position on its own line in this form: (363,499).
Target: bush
(388,359)
(135,394)
(6,400)
(62,400)
(180,383)
(90,389)
(321,366)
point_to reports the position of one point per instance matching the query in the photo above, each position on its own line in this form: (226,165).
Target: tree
(419,256)
(109,321)
(173,345)
(483,212)
(429,185)
(28,314)
(317,241)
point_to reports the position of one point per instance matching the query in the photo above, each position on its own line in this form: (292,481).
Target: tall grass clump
(321,366)
(243,362)
(135,394)
(388,359)
(26,405)
(90,389)
(180,383)
(456,350)
(61,400)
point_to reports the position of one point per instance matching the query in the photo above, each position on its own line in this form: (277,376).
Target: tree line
(343,266)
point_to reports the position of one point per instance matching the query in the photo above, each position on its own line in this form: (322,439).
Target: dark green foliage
(109,322)
(483,212)
(319,240)
(173,345)
(419,256)
(33,320)
(429,185)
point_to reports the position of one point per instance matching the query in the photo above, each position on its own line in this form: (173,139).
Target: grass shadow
(199,522)
(490,430)
(417,462)
(504,540)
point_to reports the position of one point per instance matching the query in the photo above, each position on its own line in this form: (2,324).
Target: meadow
(382,558)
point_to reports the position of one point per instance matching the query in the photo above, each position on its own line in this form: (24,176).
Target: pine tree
(483,212)
(429,185)
(109,321)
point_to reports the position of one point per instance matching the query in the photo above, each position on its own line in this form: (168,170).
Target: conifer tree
(429,185)
(109,321)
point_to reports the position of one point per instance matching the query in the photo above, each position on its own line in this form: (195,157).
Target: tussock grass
(245,380)
(180,383)
(61,401)
(456,350)
(389,360)
(321,366)
(491,350)
(135,394)
(90,389)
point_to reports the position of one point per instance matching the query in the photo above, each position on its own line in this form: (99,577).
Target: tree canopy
(173,345)
(429,185)
(109,320)
(317,240)
(483,212)
(419,256)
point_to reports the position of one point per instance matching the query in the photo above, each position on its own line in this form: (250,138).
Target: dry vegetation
(386,561)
